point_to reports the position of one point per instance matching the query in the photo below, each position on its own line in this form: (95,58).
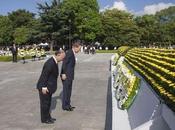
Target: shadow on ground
(54,101)
(108,122)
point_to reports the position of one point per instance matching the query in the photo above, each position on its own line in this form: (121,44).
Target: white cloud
(152,9)
(148,9)
(120,5)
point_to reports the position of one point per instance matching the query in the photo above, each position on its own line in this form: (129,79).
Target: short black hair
(58,52)
(76,43)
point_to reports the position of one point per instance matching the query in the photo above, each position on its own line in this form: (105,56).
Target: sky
(137,7)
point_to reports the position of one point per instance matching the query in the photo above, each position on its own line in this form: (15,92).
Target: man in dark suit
(47,85)
(67,74)
(14,51)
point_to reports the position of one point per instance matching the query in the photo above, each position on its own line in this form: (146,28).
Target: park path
(19,101)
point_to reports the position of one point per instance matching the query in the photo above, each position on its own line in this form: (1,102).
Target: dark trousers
(14,57)
(67,91)
(45,103)
(33,58)
(23,58)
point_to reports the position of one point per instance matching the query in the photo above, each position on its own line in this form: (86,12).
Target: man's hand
(63,77)
(45,90)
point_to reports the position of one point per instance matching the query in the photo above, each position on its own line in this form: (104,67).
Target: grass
(9,58)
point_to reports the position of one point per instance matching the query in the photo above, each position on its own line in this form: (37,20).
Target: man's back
(49,75)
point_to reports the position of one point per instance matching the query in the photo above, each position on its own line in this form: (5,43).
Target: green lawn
(9,58)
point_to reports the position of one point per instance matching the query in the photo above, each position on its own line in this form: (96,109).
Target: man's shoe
(67,109)
(53,119)
(72,107)
(48,121)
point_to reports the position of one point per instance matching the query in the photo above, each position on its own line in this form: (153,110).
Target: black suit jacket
(68,65)
(14,50)
(49,76)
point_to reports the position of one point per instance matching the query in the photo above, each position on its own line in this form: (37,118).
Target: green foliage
(166,15)
(5,58)
(61,21)
(119,28)
(20,27)
(6,30)
(166,19)
(70,19)
(50,20)
(157,29)
(35,30)
(21,35)
(84,18)
(148,28)
(20,17)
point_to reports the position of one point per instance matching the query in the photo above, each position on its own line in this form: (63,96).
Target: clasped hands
(63,77)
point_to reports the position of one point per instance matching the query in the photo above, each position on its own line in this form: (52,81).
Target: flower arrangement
(157,66)
(125,83)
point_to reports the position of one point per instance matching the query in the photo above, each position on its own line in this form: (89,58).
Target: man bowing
(67,74)
(47,85)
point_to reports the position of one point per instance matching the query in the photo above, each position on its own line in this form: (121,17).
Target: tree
(20,17)
(70,19)
(25,21)
(22,35)
(166,20)
(166,15)
(6,30)
(84,17)
(35,29)
(119,28)
(50,21)
(149,29)
(157,29)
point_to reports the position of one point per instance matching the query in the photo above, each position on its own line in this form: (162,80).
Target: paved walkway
(19,101)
